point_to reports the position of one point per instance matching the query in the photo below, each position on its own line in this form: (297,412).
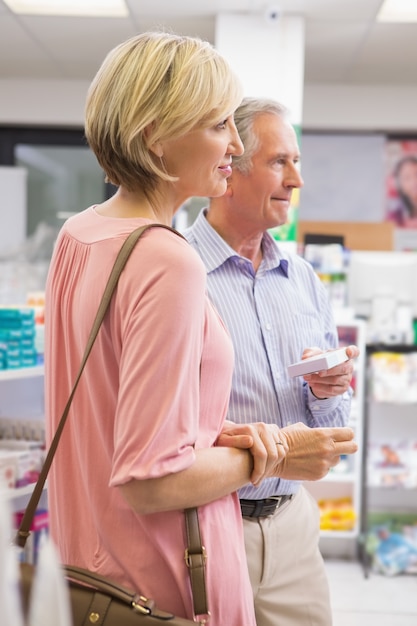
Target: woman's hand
(307,453)
(262,440)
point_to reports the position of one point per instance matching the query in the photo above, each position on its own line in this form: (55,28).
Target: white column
(267,54)
(13,184)
(266,51)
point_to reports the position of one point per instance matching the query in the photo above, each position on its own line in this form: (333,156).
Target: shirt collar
(214,250)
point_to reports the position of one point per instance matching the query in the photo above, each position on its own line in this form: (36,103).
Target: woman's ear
(155,147)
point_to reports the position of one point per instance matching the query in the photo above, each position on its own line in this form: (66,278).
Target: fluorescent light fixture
(75,8)
(398,11)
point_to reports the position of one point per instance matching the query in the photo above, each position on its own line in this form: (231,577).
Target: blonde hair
(153,87)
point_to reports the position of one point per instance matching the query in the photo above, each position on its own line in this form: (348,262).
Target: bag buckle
(201,556)
(140,605)
(202,619)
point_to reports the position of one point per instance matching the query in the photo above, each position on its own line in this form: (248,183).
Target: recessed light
(75,8)
(400,11)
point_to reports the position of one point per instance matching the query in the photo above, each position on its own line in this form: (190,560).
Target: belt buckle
(271,504)
(281,499)
(264,507)
(278,500)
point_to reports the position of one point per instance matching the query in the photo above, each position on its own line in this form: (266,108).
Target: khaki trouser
(286,568)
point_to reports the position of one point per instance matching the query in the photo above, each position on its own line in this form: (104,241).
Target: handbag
(95,599)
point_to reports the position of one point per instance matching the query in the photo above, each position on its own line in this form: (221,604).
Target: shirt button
(268,326)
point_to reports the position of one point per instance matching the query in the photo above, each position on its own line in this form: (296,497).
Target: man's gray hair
(245,115)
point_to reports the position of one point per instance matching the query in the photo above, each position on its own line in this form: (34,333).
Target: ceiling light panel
(75,8)
(404,11)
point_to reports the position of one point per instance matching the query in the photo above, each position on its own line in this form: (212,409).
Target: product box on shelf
(17,337)
(23,428)
(337,514)
(392,463)
(40,526)
(7,471)
(392,543)
(20,466)
(393,377)
(22,450)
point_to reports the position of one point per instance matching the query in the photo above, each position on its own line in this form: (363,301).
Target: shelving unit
(21,396)
(386,422)
(24,372)
(343,483)
(16,494)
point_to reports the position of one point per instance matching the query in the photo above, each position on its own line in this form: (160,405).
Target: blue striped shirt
(272,316)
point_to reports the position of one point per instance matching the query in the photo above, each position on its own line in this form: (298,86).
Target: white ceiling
(344,44)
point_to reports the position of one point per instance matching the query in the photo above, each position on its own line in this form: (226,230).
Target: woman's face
(407,180)
(202,159)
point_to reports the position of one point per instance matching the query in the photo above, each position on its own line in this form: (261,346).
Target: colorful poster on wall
(401,183)
(288,231)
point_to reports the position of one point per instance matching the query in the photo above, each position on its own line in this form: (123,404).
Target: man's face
(263,196)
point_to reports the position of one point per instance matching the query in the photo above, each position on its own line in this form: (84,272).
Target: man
(277,312)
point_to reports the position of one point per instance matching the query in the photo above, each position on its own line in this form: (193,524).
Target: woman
(139,444)
(404,211)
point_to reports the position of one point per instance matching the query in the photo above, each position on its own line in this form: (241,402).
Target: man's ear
(229,190)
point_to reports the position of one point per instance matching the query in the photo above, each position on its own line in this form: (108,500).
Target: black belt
(262,508)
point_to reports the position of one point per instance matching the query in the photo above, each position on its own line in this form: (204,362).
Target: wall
(42,102)
(357,235)
(389,108)
(325,107)
(344,168)
(344,177)
(12,208)
(346,185)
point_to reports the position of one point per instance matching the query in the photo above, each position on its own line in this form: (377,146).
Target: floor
(374,601)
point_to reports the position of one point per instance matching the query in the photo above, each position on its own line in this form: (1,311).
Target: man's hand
(335,381)
(307,453)
(313,451)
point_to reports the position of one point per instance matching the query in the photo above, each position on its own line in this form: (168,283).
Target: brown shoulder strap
(121,260)
(195,549)
(196,557)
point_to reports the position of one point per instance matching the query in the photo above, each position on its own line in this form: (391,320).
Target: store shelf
(345,485)
(24,372)
(21,403)
(338,534)
(389,484)
(14,494)
(334,477)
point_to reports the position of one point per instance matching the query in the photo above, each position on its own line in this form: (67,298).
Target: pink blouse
(142,407)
